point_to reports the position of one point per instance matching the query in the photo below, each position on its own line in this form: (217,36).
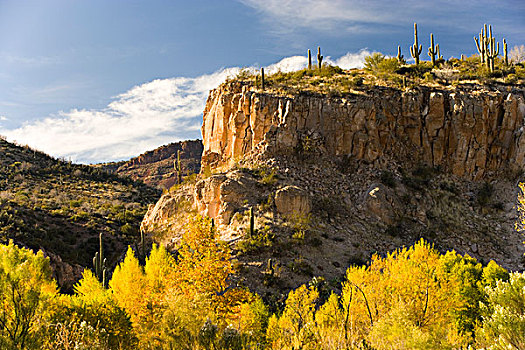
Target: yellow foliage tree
(296,328)
(90,319)
(129,289)
(330,324)
(170,299)
(26,289)
(407,300)
(411,283)
(204,272)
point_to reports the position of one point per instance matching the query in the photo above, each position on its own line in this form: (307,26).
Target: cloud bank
(141,119)
(371,16)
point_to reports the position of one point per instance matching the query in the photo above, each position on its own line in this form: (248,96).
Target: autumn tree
(204,273)
(26,290)
(295,329)
(170,300)
(90,318)
(503,324)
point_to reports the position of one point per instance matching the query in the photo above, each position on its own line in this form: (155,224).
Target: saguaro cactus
(178,168)
(481,44)
(415,50)
(309,59)
(252,223)
(400,57)
(99,262)
(506,56)
(269,267)
(262,78)
(492,52)
(319,58)
(433,50)
(142,244)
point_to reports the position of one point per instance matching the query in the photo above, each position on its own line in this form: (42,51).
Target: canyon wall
(472,132)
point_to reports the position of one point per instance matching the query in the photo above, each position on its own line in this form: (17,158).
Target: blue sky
(100,80)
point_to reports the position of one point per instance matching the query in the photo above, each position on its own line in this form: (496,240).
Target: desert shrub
(263,237)
(388,179)
(485,193)
(517,54)
(89,319)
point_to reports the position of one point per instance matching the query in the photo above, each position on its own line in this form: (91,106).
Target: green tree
(503,324)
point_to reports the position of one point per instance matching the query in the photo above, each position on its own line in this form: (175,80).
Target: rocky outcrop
(292,201)
(220,196)
(332,180)
(66,275)
(472,133)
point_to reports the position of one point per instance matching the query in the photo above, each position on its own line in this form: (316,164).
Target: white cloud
(3,118)
(329,14)
(141,119)
(356,16)
(351,60)
(145,117)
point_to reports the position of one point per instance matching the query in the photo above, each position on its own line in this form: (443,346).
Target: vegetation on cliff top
(380,70)
(384,71)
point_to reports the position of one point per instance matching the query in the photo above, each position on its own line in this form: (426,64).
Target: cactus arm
(309,59)
(480,45)
(97,265)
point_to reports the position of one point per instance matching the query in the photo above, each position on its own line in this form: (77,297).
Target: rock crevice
(473,134)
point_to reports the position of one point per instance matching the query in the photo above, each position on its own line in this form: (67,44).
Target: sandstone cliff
(468,132)
(335,179)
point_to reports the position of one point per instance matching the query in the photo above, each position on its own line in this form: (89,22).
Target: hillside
(62,207)
(334,177)
(156,168)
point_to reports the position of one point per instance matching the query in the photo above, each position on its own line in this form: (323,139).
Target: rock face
(220,196)
(471,133)
(292,201)
(65,274)
(155,168)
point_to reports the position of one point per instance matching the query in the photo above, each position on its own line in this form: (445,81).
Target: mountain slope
(61,207)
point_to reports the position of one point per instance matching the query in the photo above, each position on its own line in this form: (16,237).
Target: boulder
(292,201)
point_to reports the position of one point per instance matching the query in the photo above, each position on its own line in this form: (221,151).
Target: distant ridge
(156,168)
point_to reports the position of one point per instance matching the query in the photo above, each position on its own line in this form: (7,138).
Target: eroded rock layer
(472,133)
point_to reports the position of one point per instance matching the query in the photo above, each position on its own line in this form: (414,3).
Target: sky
(105,80)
